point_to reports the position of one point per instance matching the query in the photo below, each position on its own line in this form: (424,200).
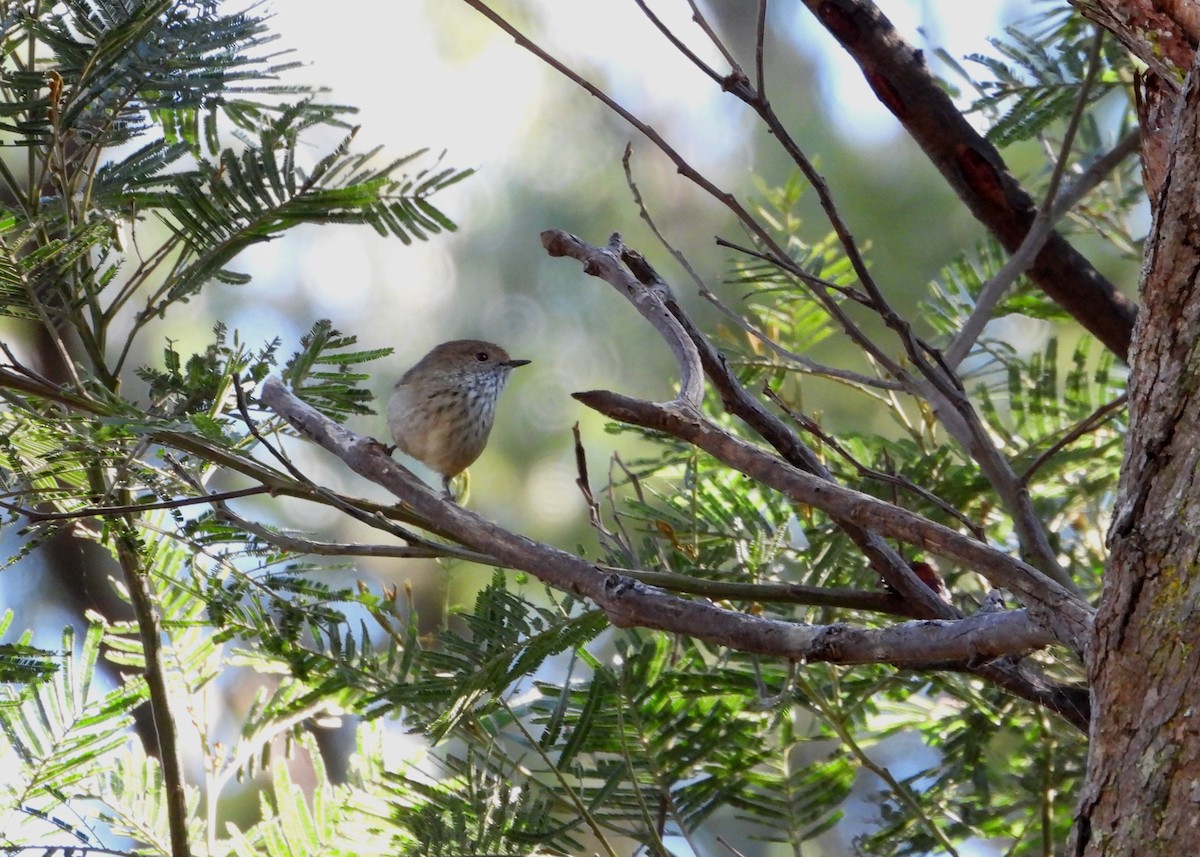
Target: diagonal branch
(972,167)
(1062,611)
(1043,224)
(629,603)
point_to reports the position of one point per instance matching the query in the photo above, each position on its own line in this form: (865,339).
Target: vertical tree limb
(1144,759)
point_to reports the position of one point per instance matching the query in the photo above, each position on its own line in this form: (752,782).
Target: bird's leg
(463,481)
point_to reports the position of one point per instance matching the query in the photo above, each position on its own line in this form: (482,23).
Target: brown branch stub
(606,264)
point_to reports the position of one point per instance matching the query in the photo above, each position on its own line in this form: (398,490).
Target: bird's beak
(513,364)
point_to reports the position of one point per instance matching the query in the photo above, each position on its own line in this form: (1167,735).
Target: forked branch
(971,643)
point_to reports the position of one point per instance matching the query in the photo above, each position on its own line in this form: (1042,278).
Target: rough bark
(1162,34)
(1140,794)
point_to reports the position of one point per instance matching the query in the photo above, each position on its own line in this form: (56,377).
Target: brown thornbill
(442,410)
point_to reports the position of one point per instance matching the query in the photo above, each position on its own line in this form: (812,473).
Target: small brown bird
(442,410)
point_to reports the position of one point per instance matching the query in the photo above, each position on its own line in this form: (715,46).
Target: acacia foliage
(161,141)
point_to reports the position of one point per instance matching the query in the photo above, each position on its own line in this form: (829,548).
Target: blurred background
(436,74)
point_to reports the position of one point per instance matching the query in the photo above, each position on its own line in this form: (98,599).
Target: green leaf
(334,394)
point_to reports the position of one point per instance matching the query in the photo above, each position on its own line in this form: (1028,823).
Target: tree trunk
(1142,789)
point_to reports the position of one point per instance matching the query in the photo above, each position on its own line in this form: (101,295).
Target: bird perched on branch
(441,412)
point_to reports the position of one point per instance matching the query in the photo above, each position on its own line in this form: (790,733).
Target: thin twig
(132,508)
(702,22)
(610,540)
(791,268)
(1039,231)
(678,43)
(760,38)
(20,367)
(724,843)
(618,519)
(706,293)
(1097,417)
(855,379)
(296,544)
(874,601)
(1096,172)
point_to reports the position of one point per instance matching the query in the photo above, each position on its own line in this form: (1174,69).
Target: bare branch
(968,638)
(606,264)
(1019,262)
(1097,171)
(951,404)
(628,603)
(1063,612)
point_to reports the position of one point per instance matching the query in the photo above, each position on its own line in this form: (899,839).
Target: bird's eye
(482,356)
